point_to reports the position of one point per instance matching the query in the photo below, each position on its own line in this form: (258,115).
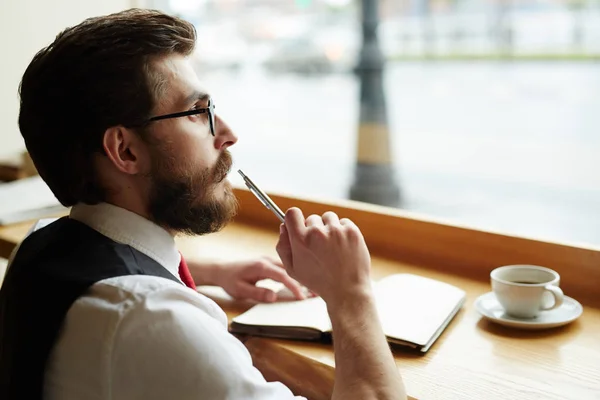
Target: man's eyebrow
(195,96)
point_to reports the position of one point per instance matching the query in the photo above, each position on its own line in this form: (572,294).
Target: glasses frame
(210,110)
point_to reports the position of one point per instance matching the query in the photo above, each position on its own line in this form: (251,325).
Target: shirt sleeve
(168,346)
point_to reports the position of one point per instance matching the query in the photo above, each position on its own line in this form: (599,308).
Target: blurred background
(486,114)
(492,105)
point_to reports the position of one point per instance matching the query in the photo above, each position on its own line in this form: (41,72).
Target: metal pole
(374,180)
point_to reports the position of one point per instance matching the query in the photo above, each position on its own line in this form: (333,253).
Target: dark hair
(93,76)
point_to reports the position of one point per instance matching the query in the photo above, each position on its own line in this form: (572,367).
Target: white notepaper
(26,199)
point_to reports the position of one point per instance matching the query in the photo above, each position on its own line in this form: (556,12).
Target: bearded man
(100,304)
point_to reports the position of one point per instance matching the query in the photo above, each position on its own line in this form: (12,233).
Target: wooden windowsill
(460,250)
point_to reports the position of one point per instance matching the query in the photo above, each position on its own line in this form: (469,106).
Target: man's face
(189,192)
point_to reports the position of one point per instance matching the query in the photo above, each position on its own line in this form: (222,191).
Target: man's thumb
(284,248)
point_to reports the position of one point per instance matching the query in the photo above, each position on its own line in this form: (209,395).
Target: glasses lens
(211,113)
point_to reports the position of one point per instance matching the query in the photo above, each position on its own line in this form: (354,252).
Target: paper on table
(309,313)
(413,310)
(26,199)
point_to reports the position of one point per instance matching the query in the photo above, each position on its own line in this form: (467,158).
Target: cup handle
(558,295)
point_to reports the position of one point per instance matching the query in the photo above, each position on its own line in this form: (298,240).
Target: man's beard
(186,203)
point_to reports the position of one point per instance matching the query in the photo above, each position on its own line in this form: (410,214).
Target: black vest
(53,267)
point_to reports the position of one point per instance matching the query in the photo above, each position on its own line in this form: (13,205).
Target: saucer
(489,307)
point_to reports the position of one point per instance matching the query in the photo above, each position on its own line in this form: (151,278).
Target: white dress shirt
(145,337)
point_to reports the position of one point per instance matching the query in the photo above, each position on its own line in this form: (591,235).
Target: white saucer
(487,305)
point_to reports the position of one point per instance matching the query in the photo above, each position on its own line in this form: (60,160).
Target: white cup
(523,290)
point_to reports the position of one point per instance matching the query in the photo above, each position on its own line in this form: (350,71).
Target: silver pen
(262,197)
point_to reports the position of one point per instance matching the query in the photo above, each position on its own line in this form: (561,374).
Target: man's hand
(329,255)
(239,278)
(326,254)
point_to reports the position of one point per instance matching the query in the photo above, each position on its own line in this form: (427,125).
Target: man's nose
(224,136)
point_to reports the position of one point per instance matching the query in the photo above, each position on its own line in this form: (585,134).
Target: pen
(262,197)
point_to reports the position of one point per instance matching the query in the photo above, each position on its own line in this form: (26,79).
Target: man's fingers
(252,292)
(314,220)
(275,260)
(331,218)
(279,275)
(294,223)
(348,223)
(295,287)
(284,248)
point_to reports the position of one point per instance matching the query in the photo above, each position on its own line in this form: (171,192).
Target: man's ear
(125,149)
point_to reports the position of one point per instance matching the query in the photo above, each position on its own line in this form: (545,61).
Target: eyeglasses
(210,110)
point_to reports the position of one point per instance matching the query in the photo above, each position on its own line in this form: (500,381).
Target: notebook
(413,310)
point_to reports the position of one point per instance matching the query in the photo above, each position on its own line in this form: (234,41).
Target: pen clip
(258,196)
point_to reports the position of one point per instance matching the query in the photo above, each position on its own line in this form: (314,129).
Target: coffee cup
(525,290)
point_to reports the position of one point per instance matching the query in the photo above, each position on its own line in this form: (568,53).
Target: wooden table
(473,359)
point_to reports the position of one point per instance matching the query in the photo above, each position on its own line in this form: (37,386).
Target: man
(95,306)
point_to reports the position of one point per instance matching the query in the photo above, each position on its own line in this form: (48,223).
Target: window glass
(492,106)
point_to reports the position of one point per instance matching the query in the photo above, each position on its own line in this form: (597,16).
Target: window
(492,109)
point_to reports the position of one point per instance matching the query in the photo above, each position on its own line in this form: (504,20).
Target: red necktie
(184,274)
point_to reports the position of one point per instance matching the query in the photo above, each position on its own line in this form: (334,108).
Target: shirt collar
(128,228)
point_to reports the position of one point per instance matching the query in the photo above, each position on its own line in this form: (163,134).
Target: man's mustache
(223,166)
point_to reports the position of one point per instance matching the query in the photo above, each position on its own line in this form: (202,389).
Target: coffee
(523,290)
